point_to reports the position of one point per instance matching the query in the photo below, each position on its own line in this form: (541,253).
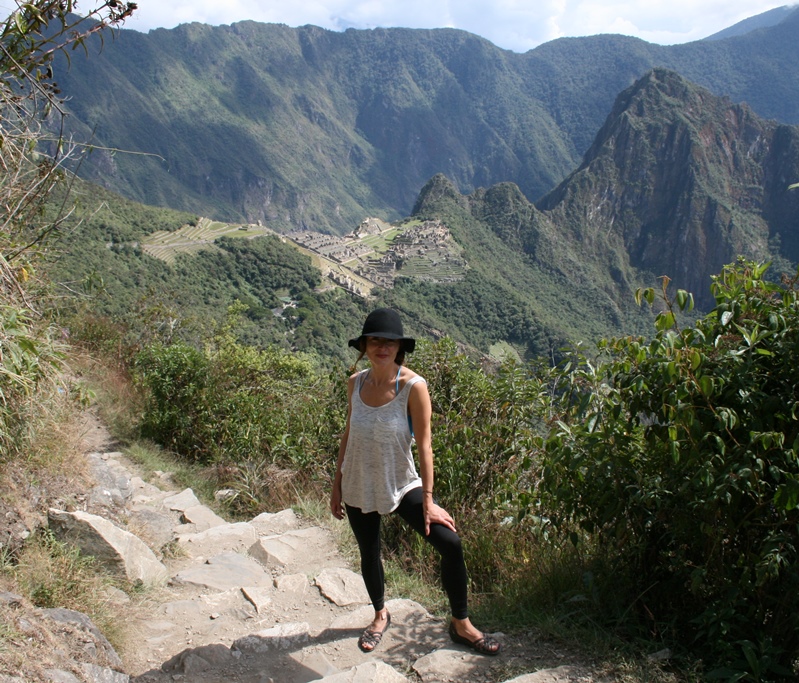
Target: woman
(389,406)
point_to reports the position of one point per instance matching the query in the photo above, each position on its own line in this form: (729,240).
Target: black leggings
(366,527)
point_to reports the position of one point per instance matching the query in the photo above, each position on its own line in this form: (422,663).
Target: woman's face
(381,351)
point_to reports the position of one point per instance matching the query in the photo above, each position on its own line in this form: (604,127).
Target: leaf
(664,321)
(706,384)
(787,496)
(684,299)
(726,317)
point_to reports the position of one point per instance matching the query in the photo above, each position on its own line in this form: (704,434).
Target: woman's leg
(366,528)
(453,574)
(448,544)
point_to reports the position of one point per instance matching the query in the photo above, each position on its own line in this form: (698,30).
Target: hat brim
(408,344)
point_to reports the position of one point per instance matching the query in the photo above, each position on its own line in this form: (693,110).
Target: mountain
(681,182)
(764,20)
(307,128)
(677,182)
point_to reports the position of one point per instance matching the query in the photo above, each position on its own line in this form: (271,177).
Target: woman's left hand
(435,514)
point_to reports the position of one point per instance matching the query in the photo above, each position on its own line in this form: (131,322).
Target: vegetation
(29,39)
(37,402)
(314,129)
(668,466)
(649,487)
(677,458)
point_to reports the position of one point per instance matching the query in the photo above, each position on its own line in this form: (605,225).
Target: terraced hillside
(191,238)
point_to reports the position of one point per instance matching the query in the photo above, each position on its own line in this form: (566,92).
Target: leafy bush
(233,404)
(679,458)
(30,36)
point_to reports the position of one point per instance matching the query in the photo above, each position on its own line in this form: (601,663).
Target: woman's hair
(399,359)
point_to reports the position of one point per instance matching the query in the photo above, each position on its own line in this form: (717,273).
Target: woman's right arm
(336,505)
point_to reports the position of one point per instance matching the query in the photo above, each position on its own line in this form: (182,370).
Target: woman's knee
(447,542)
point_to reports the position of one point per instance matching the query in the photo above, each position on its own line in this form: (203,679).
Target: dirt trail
(273,600)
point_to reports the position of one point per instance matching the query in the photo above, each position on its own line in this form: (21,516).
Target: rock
(152,526)
(144,492)
(199,659)
(117,549)
(563,674)
(202,517)
(314,659)
(223,572)
(228,602)
(60,676)
(224,494)
(115,596)
(101,674)
(280,637)
(68,616)
(181,501)
(660,656)
(10,599)
(260,597)
(447,664)
(370,672)
(114,486)
(300,549)
(230,537)
(274,523)
(342,587)
(292,583)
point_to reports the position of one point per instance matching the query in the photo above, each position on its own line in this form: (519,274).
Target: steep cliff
(681,182)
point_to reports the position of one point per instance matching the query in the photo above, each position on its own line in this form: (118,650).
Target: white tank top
(378,468)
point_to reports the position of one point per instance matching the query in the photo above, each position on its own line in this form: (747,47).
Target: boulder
(118,550)
(224,572)
(228,537)
(342,586)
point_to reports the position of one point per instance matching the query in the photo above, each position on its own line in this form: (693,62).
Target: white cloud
(513,24)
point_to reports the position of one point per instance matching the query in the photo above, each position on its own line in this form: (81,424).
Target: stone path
(269,600)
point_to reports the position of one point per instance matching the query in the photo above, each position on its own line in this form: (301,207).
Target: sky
(517,25)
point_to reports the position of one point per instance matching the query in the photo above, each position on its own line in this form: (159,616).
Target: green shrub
(679,458)
(233,404)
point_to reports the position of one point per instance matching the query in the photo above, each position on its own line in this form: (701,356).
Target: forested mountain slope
(678,182)
(303,127)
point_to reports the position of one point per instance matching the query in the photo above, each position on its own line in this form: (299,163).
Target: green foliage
(29,38)
(28,357)
(237,404)
(315,129)
(679,457)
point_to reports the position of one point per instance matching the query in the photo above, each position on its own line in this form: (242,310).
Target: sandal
(485,645)
(369,639)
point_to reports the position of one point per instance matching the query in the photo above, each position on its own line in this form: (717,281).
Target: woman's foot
(463,632)
(371,637)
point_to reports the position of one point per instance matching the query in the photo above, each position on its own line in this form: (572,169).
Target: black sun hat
(384,323)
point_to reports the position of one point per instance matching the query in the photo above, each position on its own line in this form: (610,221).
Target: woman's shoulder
(353,378)
(409,376)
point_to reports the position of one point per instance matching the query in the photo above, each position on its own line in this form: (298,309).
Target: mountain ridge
(313,129)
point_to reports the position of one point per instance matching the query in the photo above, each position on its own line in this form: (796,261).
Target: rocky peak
(682,181)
